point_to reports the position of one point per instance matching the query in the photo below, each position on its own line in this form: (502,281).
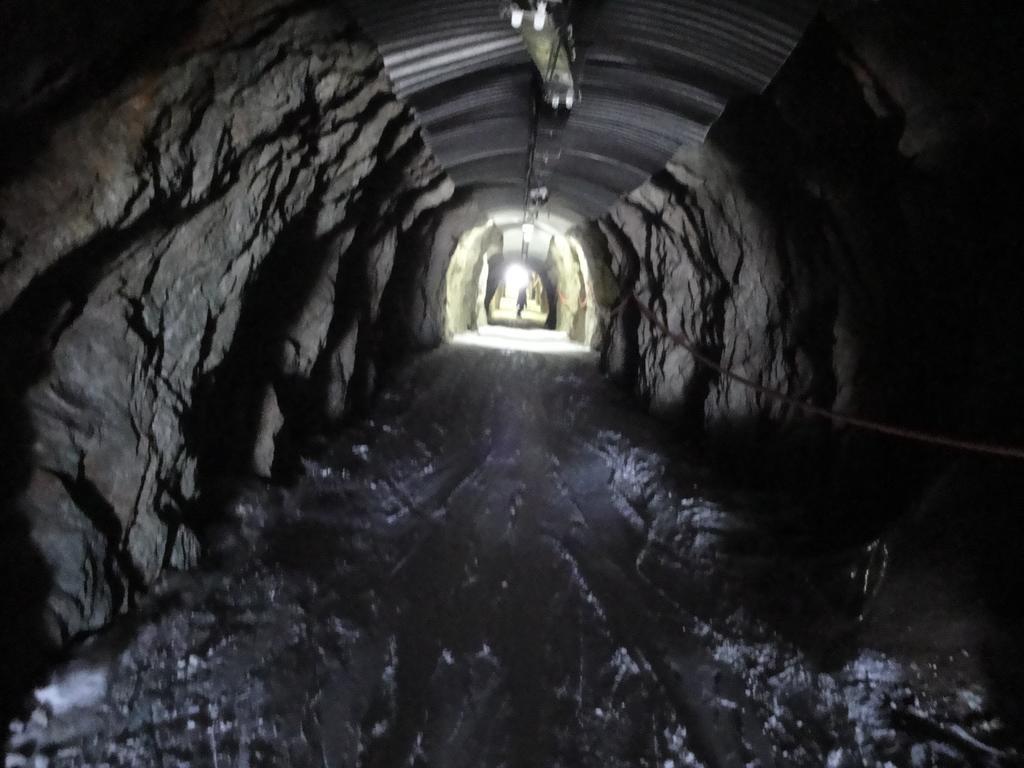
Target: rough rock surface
(833,240)
(192,270)
(567,277)
(477,249)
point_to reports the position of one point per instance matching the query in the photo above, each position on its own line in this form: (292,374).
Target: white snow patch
(624,663)
(971,700)
(390,669)
(80,688)
(315,469)
(675,742)
(835,759)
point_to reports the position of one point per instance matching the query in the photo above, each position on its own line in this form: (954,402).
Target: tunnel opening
(736,235)
(519,300)
(554,269)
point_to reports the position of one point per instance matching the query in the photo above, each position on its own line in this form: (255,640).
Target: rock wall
(847,238)
(566,274)
(193,267)
(476,250)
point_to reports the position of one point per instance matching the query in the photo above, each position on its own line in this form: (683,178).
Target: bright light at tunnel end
(540,16)
(516,278)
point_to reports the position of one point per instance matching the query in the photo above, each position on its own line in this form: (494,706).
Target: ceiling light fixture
(541,16)
(517,17)
(556,100)
(527,232)
(539,195)
(570,98)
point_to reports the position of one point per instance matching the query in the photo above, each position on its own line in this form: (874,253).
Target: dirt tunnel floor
(500,569)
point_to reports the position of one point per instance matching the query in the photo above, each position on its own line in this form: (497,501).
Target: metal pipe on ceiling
(657,74)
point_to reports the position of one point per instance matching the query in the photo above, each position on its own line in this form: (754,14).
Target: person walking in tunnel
(521,302)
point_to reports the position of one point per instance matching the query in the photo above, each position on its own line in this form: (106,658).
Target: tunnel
(511,383)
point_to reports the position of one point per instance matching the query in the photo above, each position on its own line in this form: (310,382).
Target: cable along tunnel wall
(825,244)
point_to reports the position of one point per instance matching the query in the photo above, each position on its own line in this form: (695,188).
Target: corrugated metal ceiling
(654,76)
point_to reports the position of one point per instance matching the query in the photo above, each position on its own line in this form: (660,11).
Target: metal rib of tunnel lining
(654,76)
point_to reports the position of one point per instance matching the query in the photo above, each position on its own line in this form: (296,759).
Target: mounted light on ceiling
(556,100)
(517,17)
(570,98)
(541,15)
(528,231)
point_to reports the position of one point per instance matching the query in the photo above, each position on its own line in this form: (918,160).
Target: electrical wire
(870,425)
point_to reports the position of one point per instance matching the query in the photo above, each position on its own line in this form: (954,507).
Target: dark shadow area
(971,521)
(25,650)
(620,355)
(851,485)
(24,641)
(29,330)
(60,56)
(382,343)
(229,402)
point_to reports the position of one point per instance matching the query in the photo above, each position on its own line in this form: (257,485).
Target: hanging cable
(869,425)
(531,155)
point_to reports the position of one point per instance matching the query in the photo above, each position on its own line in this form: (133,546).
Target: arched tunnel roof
(653,76)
